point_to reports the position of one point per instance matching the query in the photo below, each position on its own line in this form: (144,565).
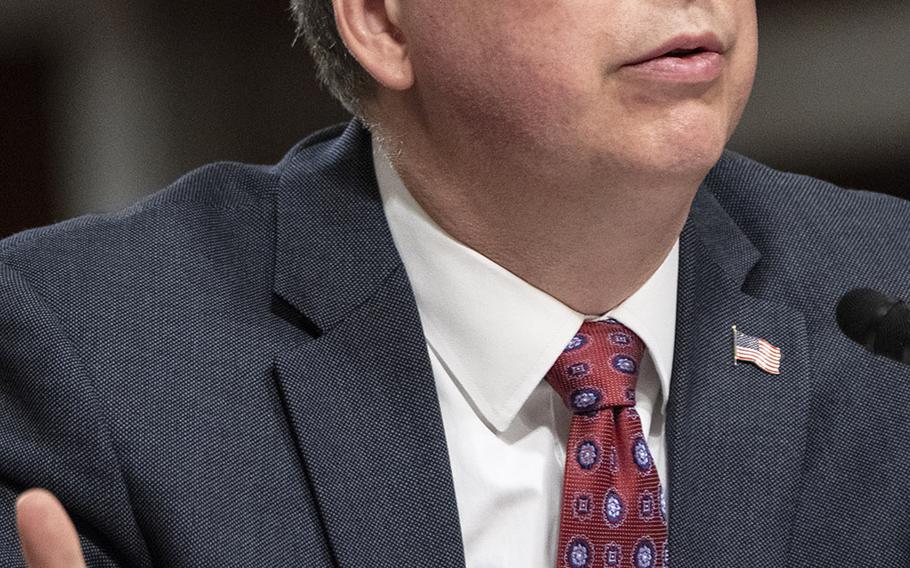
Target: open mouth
(683,48)
(686,59)
(683,53)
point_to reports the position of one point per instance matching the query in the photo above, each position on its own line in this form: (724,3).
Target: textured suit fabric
(182,374)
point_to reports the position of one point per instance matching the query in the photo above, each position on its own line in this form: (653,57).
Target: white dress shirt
(491,338)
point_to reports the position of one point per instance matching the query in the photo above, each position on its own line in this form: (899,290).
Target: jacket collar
(360,397)
(333,245)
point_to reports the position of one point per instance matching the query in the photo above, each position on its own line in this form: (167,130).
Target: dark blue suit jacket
(233,373)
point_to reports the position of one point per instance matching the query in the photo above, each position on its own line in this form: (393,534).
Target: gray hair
(336,68)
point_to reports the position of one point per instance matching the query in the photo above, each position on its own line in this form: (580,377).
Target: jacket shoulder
(221,186)
(813,235)
(747,187)
(214,187)
(808,214)
(207,207)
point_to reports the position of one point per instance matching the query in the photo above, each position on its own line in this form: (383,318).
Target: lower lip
(701,67)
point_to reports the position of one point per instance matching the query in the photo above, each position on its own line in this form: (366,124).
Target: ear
(370,30)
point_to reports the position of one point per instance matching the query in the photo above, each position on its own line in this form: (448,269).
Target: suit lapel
(735,434)
(364,410)
(360,397)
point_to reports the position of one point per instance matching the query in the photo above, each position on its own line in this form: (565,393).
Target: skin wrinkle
(524,137)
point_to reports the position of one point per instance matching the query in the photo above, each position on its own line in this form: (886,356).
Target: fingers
(48,537)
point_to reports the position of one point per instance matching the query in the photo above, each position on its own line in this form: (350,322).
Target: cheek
(743,70)
(505,79)
(503,98)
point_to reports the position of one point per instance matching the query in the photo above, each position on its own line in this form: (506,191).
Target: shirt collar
(496,334)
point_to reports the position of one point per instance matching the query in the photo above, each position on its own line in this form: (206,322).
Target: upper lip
(694,42)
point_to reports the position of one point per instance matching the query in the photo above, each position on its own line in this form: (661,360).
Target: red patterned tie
(613,510)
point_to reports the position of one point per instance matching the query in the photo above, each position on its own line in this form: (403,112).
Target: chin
(676,163)
(686,153)
(690,161)
(682,143)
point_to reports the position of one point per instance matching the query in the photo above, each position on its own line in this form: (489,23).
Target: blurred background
(103,101)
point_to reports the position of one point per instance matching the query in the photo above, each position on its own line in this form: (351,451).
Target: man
(352,358)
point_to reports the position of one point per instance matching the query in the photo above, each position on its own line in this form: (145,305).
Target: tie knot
(598,368)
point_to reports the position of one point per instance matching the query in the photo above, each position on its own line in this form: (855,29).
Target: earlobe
(370,30)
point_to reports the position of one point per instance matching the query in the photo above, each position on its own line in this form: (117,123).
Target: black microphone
(877,322)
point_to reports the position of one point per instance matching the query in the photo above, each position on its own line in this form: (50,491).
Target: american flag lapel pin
(757,351)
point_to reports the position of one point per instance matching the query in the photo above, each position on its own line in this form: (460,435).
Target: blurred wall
(832,92)
(105,101)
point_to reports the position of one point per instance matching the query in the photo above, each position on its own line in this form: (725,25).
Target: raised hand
(47,535)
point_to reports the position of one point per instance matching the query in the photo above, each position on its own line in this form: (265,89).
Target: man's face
(556,80)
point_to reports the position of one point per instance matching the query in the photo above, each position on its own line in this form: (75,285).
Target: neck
(588,240)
